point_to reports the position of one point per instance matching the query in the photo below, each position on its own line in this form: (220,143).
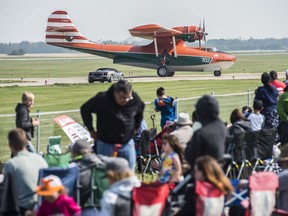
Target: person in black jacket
(210,139)
(239,123)
(119,114)
(23,119)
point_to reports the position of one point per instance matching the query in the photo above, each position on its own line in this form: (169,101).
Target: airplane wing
(152,31)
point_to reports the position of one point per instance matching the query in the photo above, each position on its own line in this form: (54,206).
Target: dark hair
(266,79)
(17,139)
(244,108)
(194,116)
(123,86)
(257,105)
(174,143)
(236,115)
(273,75)
(160,91)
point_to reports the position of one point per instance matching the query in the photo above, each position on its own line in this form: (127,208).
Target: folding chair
(262,187)
(99,183)
(58,160)
(209,201)
(150,199)
(68,176)
(54,145)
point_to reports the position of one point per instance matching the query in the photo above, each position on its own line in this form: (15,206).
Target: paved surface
(75,80)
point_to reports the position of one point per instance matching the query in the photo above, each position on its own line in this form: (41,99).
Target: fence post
(248,97)
(38,133)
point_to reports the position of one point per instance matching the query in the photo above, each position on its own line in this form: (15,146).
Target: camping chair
(54,145)
(262,187)
(68,176)
(238,152)
(150,199)
(209,201)
(99,183)
(58,160)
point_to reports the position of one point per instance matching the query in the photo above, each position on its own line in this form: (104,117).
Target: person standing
(119,114)
(23,119)
(24,169)
(280,86)
(268,94)
(210,138)
(282,110)
(256,118)
(166,105)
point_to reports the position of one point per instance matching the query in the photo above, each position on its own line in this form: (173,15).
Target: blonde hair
(117,176)
(27,96)
(213,173)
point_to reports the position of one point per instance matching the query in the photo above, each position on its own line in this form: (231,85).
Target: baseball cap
(49,185)
(117,165)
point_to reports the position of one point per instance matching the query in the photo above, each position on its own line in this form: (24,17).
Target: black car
(105,74)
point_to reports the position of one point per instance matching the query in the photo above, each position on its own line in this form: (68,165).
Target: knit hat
(49,185)
(117,165)
(80,145)
(183,119)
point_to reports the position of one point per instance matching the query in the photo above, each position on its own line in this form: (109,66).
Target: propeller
(201,33)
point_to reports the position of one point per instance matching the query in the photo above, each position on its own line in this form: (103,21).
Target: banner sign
(73,129)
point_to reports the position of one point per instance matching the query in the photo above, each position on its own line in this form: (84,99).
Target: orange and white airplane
(167,52)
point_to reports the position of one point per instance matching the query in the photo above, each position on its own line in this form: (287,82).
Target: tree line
(26,47)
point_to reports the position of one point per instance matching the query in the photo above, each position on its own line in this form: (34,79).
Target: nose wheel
(217,73)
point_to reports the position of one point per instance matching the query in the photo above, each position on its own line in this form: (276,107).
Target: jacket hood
(207,109)
(125,186)
(20,106)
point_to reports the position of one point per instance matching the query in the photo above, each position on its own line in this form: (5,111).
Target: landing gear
(171,74)
(162,71)
(217,73)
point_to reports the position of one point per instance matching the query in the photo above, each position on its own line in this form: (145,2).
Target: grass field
(71,97)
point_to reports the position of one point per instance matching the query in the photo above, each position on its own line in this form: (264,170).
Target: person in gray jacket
(24,169)
(122,181)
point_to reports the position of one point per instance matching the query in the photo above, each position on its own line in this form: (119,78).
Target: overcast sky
(26,20)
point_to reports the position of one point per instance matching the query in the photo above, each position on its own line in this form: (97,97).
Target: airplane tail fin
(62,31)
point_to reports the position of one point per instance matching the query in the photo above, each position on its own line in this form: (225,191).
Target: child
(256,118)
(170,167)
(211,185)
(56,202)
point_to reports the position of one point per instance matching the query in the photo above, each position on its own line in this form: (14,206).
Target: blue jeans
(127,151)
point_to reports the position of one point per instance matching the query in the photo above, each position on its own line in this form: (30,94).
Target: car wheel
(111,79)
(90,81)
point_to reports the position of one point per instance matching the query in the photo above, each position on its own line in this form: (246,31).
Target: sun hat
(117,165)
(49,185)
(183,119)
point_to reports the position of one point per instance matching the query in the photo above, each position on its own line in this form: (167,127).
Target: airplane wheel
(217,73)
(171,74)
(162,71)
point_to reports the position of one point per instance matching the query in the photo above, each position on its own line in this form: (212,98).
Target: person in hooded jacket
(85,160)
(210,139)
(23,119)
(239,123)
(117,201)
(119,114)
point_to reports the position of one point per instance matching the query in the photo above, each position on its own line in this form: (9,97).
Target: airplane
(167,52)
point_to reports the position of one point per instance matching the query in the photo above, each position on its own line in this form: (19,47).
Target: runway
(81,80)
